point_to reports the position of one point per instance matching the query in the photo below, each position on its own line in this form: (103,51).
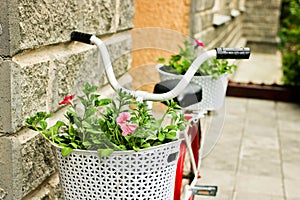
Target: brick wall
(38,67)
(261,24)
(214,23)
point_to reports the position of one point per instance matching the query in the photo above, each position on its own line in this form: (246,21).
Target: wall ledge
(219,20)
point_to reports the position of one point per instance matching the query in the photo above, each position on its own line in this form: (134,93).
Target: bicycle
(192,112)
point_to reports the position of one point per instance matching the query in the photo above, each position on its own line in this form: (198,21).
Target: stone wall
(217,23)
(261,24)
(39,65)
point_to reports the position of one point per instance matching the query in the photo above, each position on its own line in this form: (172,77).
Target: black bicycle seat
(192,94)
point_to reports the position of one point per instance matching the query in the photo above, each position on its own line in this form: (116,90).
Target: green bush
(290,41)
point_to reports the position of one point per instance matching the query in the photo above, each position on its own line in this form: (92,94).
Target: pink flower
(198,43)
(67,100)
(127,128)
(123,117)
(122,120)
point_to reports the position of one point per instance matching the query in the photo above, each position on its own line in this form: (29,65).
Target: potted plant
(113,148)
(212,76)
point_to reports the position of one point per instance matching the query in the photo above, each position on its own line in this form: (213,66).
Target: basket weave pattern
(213,90)
(124,175)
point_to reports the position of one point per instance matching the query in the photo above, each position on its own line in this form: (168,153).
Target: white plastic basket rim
(213,89)
(124,175)
(127,152)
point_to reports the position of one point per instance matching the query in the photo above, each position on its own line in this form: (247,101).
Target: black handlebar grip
(81,37)
(233,53)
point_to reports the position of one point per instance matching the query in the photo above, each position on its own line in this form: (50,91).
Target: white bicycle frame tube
(188,188)
(146,95)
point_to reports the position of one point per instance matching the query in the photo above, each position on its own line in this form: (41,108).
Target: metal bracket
(205,190)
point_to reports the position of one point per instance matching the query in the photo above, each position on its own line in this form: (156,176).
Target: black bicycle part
(233,53)
(81,37)
(192,94)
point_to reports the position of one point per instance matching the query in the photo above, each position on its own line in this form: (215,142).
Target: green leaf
(171,135)
(86,144)
(66,151)
(74,145)
(175,57)
(123,147)
(87,125)
(84,102)
(43,125)
(102,102)
(161,60)
(88,89)
(146,145)
(161,136)
(105,152)
(89,112)
(135,148)
(151,137)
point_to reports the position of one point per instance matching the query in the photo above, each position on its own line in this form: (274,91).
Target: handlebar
(81,37)
(233,53)
(219,53)
(222,53)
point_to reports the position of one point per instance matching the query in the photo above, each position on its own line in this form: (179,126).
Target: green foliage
(290,41)
(102,131)
(182,61)
(216,67)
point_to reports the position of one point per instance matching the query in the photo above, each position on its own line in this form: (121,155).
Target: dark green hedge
(290,41)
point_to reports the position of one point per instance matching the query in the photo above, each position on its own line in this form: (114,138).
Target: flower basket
(147,174)
(118,152)
(213,89)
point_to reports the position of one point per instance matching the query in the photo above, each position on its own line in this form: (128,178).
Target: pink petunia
(198,43)
(67,100)
(127,128)
(122,120)
(123,117)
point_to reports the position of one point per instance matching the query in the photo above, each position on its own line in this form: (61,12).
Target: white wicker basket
(213,90)
(124,175)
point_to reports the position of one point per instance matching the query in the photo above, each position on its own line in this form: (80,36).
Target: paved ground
(260,68)
(258,154)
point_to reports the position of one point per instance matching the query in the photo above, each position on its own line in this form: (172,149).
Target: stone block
(2,193)
(222,35)
(41,78)
(206,36)
(28,24)
(261,21)
(204,4)
(5,117)
(51,190)
(126,9)
(202,21)
(262,4)
(37,160)
(8,114)
(44,22)
(10,168)
(257,45)
(9,28)
(98,17)
(26,161)
(260,16)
